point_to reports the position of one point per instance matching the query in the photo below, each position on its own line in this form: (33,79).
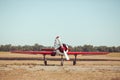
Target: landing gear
(62,60)
(45,60)
(74,61)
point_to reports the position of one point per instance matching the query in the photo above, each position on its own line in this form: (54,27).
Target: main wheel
(45,62)
(74,62)
(61,63)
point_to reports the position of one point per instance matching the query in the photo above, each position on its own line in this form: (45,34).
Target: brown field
(31,67)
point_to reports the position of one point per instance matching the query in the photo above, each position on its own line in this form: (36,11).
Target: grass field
(31,67)
(114,54)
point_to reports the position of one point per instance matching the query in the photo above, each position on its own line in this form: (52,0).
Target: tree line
(38,47)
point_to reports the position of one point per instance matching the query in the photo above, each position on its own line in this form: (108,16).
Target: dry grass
(4,52)
(31,67)
(114,54)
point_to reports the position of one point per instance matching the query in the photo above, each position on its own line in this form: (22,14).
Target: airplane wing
(69,53)
(34,52)
(87,53)
(44,53)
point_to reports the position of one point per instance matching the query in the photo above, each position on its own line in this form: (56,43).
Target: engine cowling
(63,48)
(60,50)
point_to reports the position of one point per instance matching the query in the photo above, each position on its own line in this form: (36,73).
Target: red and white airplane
(60,49)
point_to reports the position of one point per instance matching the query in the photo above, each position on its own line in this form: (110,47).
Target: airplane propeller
(62,47)
(66,55)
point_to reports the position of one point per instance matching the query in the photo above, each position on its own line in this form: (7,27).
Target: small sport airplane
(59,49)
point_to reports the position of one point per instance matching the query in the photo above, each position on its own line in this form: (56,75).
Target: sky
(77,22)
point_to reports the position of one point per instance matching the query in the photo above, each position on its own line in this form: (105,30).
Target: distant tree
(88,48)
(13,48)
(37,47)
(103,48)
(78,48)
(111,49)
(6,47)
(70,48)
(118,49)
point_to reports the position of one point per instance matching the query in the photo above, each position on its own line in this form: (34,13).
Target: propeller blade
(66,56)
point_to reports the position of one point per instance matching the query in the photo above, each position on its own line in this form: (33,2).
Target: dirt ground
(31,67)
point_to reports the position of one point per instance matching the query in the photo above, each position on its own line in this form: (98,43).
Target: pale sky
(77,22)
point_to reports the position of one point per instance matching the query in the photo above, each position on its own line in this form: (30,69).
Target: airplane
(59,49)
